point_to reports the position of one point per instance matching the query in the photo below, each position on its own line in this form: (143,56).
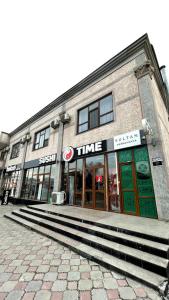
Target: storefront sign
(47,159)
(68,153)
(90,148)
(157,161)
(126,140)
(11,168)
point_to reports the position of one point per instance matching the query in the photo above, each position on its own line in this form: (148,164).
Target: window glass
(47,133)
(33,187)
(47,169)
(15,150)
(83,127)
(72,165)
(52,181)
(88,179)
(106,118)
(96,114)
(39,187)
(79,175)
(83,116)
(93,106)
(106,105)
(37,138)
(44,195)
(42,138)
(95,161)
(99,179)
(94,118)
(35,171)
(114,199)
(41,170)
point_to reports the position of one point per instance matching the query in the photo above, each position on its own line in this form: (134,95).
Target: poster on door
(99,178)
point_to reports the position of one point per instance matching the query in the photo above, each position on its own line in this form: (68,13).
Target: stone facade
(134,82)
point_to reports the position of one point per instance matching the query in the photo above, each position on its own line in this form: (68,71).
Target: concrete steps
(142,259)
(142,244)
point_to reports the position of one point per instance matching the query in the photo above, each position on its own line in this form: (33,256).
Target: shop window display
(114,198)
(39,183)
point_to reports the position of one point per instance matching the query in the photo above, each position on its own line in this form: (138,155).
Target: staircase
(138,255)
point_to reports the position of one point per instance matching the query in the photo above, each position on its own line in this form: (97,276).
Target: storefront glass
(39,183)
(113,188)
(10,182)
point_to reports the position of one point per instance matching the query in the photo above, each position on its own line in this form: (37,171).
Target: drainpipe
(6,150)
(166,86)
(63,119)
(24,141)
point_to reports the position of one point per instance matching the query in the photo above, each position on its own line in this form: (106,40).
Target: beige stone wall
(123,86)
(121,82)
(162,117)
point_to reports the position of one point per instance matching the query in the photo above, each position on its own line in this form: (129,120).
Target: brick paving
(33,267)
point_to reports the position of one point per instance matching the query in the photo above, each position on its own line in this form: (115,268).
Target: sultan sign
(129,139)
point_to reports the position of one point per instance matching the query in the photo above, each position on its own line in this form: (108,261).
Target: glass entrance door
(95,182)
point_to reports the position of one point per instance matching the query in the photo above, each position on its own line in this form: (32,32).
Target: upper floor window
(2,156)
(96,114)
(15,150)
(41,138)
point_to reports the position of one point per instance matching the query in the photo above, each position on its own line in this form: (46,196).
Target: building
(105,142)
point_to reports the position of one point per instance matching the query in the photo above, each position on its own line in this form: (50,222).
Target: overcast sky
(47,46)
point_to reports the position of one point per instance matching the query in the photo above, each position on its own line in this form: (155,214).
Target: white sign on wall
(47,159)
(126,140)
(90,148)
(11,168)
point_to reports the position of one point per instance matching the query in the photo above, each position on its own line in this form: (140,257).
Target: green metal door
(145,188)
(128,195)
(136,186)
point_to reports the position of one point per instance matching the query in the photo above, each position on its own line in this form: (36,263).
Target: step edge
(126,231)
(154,285)
(81,224)
(85,239)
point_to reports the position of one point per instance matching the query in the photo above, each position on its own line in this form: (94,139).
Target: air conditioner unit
(54,124)
(58,198)
(22,140)
(66,118)
(28,137)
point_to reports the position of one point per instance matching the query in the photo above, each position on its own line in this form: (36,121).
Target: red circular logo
(68,153)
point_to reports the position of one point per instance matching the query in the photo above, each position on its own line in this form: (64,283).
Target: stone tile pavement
(35,267)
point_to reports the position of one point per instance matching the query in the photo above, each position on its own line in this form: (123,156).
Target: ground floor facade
(112,175)
(115,181)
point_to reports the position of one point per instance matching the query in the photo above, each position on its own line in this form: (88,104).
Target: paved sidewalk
(35,267)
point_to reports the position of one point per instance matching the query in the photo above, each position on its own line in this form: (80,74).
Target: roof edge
(142,42)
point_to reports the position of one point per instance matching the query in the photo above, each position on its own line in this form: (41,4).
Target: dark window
(41,138)
(96,114)
(15,150)
(2,157)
